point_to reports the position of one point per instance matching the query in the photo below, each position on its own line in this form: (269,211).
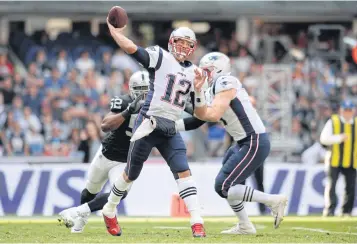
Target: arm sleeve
(192,123)
(189,108)
(142,56)
(150,57)
(327,137)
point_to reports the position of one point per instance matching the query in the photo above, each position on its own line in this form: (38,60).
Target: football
(117,17)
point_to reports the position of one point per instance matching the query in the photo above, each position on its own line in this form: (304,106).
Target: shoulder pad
(118,104)
(155,54)
(224,83)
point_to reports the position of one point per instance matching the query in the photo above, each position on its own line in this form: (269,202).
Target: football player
(226,101)
(171,84)
(109,160)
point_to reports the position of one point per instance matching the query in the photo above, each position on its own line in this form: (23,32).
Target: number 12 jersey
(171,84)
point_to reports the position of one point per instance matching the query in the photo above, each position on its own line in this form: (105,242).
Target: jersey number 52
(116,103)
(177,101)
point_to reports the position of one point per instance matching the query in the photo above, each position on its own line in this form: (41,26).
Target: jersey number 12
(185,84)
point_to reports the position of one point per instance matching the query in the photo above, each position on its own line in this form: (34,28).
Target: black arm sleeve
(189,108)
(142,56)
(192,123)
(192,96)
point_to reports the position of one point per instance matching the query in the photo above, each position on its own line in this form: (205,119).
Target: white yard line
(323,231)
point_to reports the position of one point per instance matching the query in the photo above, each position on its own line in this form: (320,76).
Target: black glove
(133,107)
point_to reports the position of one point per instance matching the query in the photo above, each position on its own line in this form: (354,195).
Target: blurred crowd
(57,107)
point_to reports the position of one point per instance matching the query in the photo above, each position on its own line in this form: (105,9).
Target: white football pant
(100,170)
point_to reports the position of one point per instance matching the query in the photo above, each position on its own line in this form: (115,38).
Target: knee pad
(218,189)
(86,196)
(94,188)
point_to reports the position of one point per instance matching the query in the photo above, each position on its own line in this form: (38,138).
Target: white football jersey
(241,118)
(170,85)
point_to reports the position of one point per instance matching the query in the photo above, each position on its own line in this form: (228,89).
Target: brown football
(117,17)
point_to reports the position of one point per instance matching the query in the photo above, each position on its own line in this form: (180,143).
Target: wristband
(126,114)
(200,99)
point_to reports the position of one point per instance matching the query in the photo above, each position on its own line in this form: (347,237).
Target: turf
(168,230)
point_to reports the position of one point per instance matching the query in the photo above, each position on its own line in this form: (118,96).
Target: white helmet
(215,64)
(183,33)
(139,83)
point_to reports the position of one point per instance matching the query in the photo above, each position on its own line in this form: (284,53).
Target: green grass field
(169,230)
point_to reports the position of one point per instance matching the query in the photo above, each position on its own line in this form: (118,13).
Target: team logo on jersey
(224,83)
(213,58)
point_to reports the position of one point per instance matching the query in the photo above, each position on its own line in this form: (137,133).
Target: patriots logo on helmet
(213,58)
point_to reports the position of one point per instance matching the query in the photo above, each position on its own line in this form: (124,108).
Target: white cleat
(79,224)
(241,229)
(68,217)
(278,209)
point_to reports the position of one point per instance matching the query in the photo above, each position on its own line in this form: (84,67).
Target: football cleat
(241,229)
(198,230)
(68,217)
(113,227)
(79,224)
(278,209)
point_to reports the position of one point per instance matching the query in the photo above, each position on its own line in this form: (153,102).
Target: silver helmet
(182,33)
(139,83)
(215,64)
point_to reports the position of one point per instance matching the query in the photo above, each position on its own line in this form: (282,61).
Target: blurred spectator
(104,66)
(19,84)
(16,143)
(35,141)
(84,63)
(47,124)
(216,140)
(7,91)
(73,82)
(63,63)
(89,86)
(302,40)
(54,144)
(6,68)
(243,62)
(54,84)
(74,140)
(122,61)
(18,108)
(33,71)
(43,68)
(34,99)
(114,86)
(30,120)
(90,141)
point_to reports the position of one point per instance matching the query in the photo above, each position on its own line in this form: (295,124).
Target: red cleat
(113,227)
(198,230)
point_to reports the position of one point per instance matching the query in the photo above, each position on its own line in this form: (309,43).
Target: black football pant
(350,186)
